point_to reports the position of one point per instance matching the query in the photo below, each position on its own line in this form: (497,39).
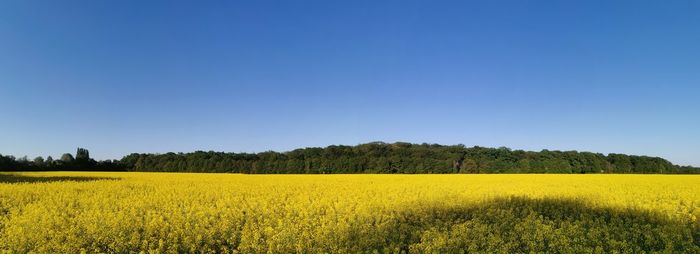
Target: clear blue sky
(246,76)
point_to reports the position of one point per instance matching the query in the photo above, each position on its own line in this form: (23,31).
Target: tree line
(375,157)
(80,162)
(379,157)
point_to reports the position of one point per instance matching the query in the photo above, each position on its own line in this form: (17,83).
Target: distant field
(71,212)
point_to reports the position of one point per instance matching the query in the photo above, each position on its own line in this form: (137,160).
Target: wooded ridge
(375,157)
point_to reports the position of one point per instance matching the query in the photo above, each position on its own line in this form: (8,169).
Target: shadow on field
(524,225)
(14,178)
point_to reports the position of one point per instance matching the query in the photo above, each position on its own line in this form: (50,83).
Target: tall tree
(49,162)
(82,155)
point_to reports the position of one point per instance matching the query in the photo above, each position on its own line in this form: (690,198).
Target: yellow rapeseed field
(71,212)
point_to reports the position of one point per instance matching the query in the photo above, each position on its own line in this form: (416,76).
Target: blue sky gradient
(247,76)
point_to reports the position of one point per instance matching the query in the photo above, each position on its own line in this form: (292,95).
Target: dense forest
(376,157)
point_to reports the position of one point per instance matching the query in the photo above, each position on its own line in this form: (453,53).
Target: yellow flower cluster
(71,212)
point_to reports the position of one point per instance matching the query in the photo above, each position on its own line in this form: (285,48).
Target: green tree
(39,161)
(67,158)
(82,155)
(49,161)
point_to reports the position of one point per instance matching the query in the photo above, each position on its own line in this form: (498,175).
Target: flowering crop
(71,212)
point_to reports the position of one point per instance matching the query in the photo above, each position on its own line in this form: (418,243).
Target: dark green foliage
(81,162)
(379,157)
(375,157)
(67,158)
(82,155)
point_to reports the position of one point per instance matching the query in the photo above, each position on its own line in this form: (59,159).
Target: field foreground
(71,212)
